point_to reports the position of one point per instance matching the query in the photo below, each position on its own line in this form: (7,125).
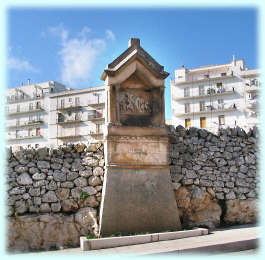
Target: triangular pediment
(135,52)
(136,81)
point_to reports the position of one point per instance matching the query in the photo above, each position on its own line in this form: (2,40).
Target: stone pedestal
(137,193)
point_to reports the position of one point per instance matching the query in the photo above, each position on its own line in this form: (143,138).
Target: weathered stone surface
(39,176)
(80,182)
(90,161)
(50,196)
(21,169)
(43,165)
(59,176)
(98,171)
(24,179)
(197,208)
(89,190)
(72,176)
(241,211)
(94,181)
(69,205)
(62,193)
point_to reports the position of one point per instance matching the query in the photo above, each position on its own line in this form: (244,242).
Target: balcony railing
(252,104)
(93,133)
(69,136)
(24,137)
(202,79)
(24,111)
(69,107)
(96,103)
(69,121)
(29,123)
(211,93)
(18,99)
(210,109)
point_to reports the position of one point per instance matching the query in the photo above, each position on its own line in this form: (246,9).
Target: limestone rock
(24,179)
(241,211)
(69,205)
(50,196)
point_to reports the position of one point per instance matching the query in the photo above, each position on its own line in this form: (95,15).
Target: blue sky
(74,45)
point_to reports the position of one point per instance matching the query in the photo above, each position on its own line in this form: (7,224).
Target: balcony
(69,136)
(69,121)
(209,110)
(69,107)
(202,79)
(251,88)
(99,103)
(18,99)
(211,92)
(25,137)
(29,123)
(24,111)
(252,104)
(96,133)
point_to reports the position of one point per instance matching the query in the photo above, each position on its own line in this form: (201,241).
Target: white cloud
(59,31)
(110,35)
(78,59)
(78,54)
(19,64)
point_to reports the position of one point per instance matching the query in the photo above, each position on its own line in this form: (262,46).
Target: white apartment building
(214,97)
(77,116)
(49,114)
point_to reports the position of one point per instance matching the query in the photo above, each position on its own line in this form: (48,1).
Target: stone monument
(137,192)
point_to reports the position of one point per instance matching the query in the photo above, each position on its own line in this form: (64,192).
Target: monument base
(137,200)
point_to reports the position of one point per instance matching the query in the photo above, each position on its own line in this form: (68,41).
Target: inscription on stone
(134,104)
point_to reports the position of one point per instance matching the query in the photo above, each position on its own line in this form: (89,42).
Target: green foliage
(83,195)
(91,237)
(15,214)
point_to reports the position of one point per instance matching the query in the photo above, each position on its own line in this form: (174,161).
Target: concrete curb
(100,243)
(216,248)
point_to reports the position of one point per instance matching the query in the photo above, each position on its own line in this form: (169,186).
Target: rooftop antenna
(234,59)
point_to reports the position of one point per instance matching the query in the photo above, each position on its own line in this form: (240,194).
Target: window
(51,92)
(30,132)
(70,100)
(223,74)
(38,118)
(202,105)
(220,103)
(221,120)
(187,108)
(77,101)
(18,108)
(17,133)
(187,122)
(201,90)
(31,118)
(186,92)
(206,76)
(36,145)
(203,122)
(30,106)
(62,103)
(17,122)
(37,105)
(219,84)
(37,131)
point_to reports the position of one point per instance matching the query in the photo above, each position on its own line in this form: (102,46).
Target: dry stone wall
(53,195)
(214,176)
